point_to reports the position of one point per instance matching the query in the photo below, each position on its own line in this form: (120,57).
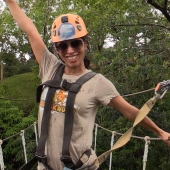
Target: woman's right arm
(27,26)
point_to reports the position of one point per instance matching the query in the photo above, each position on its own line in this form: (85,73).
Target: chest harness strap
(73,88)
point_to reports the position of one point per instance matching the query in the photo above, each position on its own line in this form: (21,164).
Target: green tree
(138,61)
(12,121)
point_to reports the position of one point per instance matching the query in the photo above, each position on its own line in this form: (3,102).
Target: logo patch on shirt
(59,101)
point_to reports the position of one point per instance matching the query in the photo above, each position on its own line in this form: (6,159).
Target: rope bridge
(147,140)
(21,133)
(164,86)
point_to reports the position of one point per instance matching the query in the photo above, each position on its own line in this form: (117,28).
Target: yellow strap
(127,135)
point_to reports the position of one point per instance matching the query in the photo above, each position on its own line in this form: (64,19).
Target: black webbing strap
(29,165)
(53,85)
(69,116)
(40,151)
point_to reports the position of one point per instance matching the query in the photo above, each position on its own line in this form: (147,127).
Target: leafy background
(137,62)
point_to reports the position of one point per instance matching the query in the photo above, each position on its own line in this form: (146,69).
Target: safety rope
(117,133)
(21,133)
(147,140)
(145,156)
(164,83)
(164,86)
(126,95)
(132,94)
(127,135)
(96,130)
(95,136)
(35,131)
(112,142)
(24,145)
(2,167)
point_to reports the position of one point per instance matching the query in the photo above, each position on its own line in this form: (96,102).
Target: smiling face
(72,52)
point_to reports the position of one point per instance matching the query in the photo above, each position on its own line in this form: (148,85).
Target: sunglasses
(63,46)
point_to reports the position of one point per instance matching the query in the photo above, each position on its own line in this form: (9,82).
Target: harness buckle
(164,86)
(42,159)
(66,159)
(65,85)
(84,158)
(75,87)
(62,84)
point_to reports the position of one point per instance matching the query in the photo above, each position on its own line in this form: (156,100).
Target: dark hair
(86,60)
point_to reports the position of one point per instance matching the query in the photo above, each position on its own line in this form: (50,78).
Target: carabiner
(164,86)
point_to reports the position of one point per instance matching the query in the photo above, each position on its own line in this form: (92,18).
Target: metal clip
(164,86)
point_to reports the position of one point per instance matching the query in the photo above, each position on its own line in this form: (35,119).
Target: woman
(69,35)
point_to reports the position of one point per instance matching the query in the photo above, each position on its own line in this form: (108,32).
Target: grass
(20,89)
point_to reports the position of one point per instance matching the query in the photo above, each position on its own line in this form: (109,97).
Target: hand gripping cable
(164,86)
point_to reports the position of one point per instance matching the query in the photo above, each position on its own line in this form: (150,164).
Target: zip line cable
(145,91)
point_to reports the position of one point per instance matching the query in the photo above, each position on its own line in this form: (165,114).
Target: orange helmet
(66,27)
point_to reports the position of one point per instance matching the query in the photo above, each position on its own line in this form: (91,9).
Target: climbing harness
(164,86)
(2,166)
(73,89)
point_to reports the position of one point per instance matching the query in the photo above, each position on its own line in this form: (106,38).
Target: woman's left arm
(130,112)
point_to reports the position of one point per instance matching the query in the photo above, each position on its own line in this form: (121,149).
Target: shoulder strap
(69,116)
(39,155)
(73,89)
(55,82)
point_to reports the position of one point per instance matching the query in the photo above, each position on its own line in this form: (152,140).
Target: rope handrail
(19,133)
(126,95)
(144,91)
(133,136)
(147,140)
(164,83)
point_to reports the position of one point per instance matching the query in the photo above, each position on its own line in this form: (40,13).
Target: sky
(2,5)
(1,2)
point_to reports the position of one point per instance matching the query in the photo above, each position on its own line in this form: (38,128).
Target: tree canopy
(138,60)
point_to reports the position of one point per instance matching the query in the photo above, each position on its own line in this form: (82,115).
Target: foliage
(12,121)
(21,90)
(138,61)
(18,113)
(13,66)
